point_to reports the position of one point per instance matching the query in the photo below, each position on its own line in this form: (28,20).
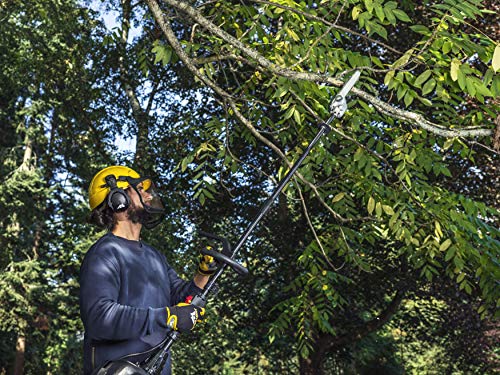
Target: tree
(396,210)
(420,107)
(45,103)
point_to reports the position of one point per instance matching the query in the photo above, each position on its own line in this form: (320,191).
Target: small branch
(306,213)
(216,58)
(259,170)
(152,96)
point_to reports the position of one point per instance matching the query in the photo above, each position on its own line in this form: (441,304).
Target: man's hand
(208,265)
(183,317)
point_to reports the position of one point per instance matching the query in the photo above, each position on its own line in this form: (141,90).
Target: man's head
(116,190)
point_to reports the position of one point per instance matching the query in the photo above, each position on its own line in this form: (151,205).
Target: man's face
(136,212)
(145,195)
(146,206)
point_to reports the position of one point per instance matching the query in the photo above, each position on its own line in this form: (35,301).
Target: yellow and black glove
(208,265)
(183,317)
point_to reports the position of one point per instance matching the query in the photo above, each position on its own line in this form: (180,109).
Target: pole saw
(158,355)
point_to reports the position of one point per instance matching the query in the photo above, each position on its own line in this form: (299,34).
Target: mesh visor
(150,199)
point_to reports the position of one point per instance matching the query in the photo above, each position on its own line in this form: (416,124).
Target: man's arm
(103,316)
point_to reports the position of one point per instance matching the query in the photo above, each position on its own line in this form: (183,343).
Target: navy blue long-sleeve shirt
(124,288)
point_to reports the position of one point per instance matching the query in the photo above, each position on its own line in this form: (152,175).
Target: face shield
(150,199)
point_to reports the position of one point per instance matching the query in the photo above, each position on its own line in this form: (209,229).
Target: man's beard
(136,214)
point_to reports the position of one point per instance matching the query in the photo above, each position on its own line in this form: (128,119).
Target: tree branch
(385,108)
(328,343)
(164,24)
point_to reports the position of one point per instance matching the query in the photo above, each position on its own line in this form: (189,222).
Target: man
(129,296)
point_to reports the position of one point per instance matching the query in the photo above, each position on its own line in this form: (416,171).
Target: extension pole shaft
(324,129)
(337,107)
(200,300)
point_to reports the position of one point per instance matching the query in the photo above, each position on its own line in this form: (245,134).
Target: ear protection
(118,199)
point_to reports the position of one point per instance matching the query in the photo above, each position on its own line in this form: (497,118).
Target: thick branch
(419,120)
(387,109)
(328,343)
(164,24)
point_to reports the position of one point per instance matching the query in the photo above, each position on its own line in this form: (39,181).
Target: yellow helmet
(98,189)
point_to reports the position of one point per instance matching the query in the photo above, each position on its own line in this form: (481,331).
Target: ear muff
(118,199)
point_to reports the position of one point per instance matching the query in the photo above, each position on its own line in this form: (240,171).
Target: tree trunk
(313,365)
(326,343)
(19,361)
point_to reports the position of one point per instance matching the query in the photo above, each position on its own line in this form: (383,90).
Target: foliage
(357,267)
(46,93)
(382,178)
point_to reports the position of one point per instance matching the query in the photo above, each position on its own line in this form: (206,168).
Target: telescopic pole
(337,108)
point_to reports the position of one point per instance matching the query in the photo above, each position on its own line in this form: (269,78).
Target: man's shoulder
(106,247)
(105,241)
(103,251)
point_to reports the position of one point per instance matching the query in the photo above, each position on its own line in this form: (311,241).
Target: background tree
(47,136)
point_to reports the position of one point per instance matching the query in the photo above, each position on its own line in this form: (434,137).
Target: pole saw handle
(243,271)
(226,255)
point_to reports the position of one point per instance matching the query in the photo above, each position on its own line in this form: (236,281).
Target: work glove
(208,265)
(183,317)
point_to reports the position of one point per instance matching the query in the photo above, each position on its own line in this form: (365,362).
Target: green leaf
(359,154)
(380,30)
(447,46)
(391,5)
(437,229)
(379,11)
(402,16)
(184,164)
(390,16)
(448,143)
(388,210)
(162,53)
(445,245)
(355,12)
(371,205)
(296,116)
(471,89)
(454,69)
(482,89)
(369,5)
(388,77)
(421,29)
(422,78)
(450,253)
(409,98)
(403,60)
(495,62)
(425,101)
(338,197)
(429,86)
(461,79)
